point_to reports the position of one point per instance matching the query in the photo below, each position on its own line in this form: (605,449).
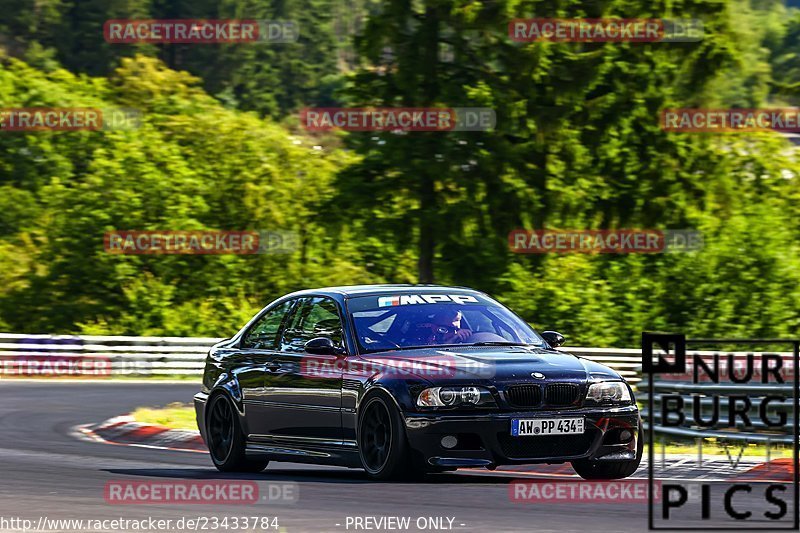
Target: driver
(445,328)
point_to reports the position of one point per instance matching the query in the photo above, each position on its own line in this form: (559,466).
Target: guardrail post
(699,452)
(768,454)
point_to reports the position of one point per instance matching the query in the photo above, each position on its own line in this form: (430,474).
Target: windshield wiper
(499,343)
(420,347)
(454,345)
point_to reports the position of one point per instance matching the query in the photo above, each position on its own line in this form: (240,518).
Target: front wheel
(226,441)
(382,446)
(610,469)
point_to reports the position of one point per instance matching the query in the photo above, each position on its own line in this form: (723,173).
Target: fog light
(449,442)
(625,436)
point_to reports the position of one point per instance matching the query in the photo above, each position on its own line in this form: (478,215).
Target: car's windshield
(419,319)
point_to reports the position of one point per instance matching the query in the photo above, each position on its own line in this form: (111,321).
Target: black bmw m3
(402,379)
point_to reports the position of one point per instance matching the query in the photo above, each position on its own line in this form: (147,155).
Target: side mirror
(553,338)
(322,346)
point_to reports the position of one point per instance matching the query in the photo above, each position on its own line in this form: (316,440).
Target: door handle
(272,367)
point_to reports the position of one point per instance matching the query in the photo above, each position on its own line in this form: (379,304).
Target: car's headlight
(454,396)
(615,392)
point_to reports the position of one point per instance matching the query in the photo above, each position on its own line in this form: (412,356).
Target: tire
(382,444)
(610,469)
(225,439)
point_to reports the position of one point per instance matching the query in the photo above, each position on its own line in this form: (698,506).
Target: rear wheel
(382,445)
(610,469)
(226,441)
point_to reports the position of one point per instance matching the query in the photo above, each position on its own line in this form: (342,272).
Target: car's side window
(313,317)
(264,333)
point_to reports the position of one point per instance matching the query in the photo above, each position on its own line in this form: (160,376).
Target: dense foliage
(577,145)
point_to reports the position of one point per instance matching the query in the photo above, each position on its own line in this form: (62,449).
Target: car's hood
(496,364)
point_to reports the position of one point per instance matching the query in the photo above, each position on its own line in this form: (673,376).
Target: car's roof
(349,291)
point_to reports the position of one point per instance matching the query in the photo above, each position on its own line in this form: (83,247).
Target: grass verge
(713,446)
(174,416)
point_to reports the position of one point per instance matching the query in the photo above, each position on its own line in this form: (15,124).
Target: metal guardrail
(626,361)
(101,355)
(43,355)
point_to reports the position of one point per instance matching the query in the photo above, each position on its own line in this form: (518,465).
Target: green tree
(191,165)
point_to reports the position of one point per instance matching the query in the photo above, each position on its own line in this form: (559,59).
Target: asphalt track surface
(47,472)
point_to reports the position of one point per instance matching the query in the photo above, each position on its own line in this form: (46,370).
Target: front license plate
(523,427)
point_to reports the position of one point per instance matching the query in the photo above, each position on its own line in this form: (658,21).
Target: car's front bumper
(485,438)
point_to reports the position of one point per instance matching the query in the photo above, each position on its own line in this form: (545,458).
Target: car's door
(305,391)
(257,355)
